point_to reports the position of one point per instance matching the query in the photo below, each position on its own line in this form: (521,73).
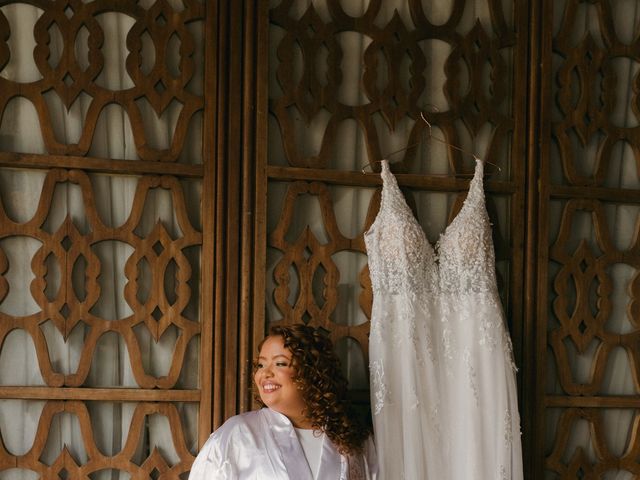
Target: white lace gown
(443,386)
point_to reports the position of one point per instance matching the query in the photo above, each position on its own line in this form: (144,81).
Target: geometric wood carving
(157,84)
(66,466)
(309,257)
(66,76)
(310,84)
(595,361)
(68,246)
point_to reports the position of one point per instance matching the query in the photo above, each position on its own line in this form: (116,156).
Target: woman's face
(274,379)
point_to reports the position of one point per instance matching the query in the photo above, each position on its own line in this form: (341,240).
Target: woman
(305,431)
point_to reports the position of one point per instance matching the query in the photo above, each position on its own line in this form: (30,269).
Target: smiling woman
(275,380)
(305,430)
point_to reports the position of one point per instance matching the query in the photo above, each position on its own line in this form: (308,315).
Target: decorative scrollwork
(579,464)
(309,89)
(309,257)
(583,318)
(588,119)
(66,466)
(68,246)
(69,77)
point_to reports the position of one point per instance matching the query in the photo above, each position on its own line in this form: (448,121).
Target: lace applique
(503,473)
(413,398)
(401,330)
(412,333)
(434,416)
(407,261)
(379,387)
(488,329)
(448,347)
(465,249)
(471,375)
(508,429)
(508,350)
(375,332)
(429,347)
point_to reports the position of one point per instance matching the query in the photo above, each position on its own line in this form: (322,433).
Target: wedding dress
(443,388)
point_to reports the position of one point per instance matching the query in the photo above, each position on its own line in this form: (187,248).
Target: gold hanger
(430,137)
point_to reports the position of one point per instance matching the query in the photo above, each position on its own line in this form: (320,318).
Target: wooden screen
(120,280)
(346,86)
(589,254)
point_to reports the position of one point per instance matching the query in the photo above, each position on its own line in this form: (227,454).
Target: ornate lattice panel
(157,305)
(589,236)
(77,66)
(348,81)
(102,225)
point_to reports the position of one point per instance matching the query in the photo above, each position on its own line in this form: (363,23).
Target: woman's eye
(282,364)
(258,365)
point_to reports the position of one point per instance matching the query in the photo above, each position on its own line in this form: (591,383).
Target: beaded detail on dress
(461,265)
(464,259)
(465,249)
(406,261)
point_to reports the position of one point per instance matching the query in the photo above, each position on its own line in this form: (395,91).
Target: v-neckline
(478,172)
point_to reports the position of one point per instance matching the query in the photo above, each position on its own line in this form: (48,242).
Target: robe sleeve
(210,464)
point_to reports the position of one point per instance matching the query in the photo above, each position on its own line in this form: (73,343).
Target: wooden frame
(154,168)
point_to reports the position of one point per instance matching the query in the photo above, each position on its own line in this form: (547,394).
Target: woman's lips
(270,387)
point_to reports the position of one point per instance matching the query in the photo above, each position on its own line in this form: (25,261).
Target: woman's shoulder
(245,424)
(219,455)
(246,418)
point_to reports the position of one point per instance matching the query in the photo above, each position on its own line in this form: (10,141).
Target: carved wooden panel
(169,273)
(589,240)
(154,465)
(159,73)
(310,260)
(114,294)
(159,286)
(348,82)
(410,62)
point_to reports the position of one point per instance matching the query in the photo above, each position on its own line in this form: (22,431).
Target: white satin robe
(262,445)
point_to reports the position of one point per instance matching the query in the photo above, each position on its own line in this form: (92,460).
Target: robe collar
(292,454)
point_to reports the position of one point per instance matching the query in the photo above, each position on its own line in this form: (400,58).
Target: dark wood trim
(619,401)
(618,195)
(530,391)
(99,394)
(225,347)
(208,284)
(250,134)
(359,179)
(261,113)
(125,167)
(241,135)
(232,144)
(218,326)
(541,137)
(518,167)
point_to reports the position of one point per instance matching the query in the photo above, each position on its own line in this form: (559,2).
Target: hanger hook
(425,119)
(431,137)
(427,122)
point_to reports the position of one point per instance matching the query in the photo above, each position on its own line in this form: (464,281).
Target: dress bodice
(401,258)
(465,249)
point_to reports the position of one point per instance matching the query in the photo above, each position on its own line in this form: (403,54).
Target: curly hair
(323,386)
